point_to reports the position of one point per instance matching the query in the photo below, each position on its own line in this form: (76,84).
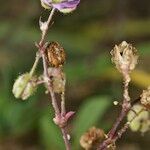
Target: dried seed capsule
(125,57)
(92,138)
(55,54)
(58,79)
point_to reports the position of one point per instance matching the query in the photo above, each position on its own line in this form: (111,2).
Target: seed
(55,54)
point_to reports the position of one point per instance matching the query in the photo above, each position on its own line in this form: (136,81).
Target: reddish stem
(59,119)
(125,109)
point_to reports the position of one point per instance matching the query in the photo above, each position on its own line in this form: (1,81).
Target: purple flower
(64,6)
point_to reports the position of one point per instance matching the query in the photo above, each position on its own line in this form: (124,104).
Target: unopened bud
(139,119)
(145,98)
(125,57)
(24,86)
(92,138)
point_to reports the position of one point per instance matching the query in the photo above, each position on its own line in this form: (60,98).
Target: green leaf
(88,115)
(50,134)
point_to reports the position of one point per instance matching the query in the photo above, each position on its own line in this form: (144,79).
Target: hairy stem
(58,114)
(125,109)
(126,126)
(46,30)
(63,109)
(66,138)
(48,82)
(37,58)
(54,104)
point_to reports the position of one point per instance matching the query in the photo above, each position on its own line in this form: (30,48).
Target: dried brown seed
(55,54)
(91,138)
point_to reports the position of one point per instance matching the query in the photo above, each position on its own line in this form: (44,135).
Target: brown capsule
(55,54)
(91,139)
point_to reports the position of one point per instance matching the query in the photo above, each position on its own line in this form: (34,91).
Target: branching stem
(59,118)
(126,106)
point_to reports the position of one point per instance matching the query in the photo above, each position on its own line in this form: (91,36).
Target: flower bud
(92,138)
(55,54)
(145,98)
(139,119)
(125,57)
(24,86)
(58,79)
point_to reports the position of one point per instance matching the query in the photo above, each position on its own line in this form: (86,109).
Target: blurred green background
(88,35)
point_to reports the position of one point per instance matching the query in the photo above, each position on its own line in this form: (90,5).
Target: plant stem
(37,58)
(48,82)
(125,109)
(66,139)
(126,126)
(48,22)
(58,112)
(63,109)
(54,104)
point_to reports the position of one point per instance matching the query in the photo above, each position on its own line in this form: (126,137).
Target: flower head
(64,6)
(91,138)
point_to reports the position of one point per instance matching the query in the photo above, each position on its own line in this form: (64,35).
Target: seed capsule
(125,57)
(58,79)
(92,138)
(24,86)
(55,54)
(140,119)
